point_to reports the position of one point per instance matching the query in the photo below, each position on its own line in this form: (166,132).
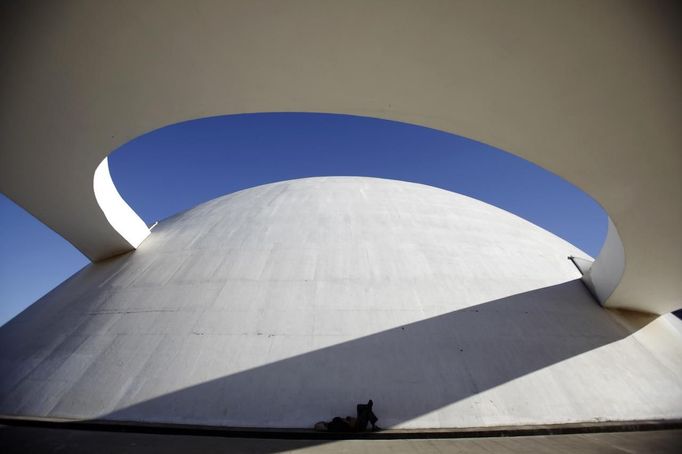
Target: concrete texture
(589,90)
(286,304)
(39,440)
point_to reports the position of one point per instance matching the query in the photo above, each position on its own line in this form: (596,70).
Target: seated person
(349,424)
(365,415)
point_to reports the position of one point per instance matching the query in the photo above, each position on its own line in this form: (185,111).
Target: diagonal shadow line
(409,371)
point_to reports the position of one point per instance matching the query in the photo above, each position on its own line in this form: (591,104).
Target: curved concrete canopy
(588,90)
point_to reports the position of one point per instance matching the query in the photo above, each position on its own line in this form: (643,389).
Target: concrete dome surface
(289,303)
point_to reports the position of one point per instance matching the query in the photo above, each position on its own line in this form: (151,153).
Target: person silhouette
(365,415)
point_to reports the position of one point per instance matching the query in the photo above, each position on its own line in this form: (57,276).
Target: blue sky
(177,167)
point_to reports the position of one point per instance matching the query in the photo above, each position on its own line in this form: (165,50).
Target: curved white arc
(119,214)
(607,270)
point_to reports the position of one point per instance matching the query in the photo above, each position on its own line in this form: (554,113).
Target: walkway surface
(42,440)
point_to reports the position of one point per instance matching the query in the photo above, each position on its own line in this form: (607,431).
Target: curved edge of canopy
(119,214)
(606,272)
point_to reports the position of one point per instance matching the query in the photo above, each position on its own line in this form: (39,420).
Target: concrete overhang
(589,90)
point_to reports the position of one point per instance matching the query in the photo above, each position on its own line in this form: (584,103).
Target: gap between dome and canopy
(601,276)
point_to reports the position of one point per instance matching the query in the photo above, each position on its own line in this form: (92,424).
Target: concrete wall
(289,303)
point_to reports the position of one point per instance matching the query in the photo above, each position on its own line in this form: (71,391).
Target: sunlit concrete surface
(119,214)
(38,440)
(589,90)
(288,303)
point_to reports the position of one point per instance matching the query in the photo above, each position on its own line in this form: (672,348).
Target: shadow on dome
(534,357)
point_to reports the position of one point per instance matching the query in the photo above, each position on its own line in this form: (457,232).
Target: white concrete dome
(289,303)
